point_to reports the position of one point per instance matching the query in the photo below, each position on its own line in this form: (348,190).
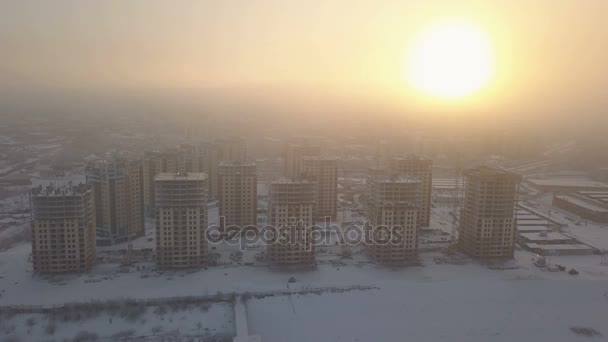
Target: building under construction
(393,207)
(118,198)
(169,161)
(63,228)
(237,185)
(421,169)
(290,216)
(324,172)
(293,155)
(487,225)
(181,220)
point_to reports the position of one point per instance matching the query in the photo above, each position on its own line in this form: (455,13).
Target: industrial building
(324,172)
(487,224)
(237,194)
(290,216)
(553,243)
(118,199)
(63,228)
(587,205)
(393,208)
(421,169)
(181,220)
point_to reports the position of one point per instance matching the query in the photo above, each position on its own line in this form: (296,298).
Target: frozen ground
(153,323)
(454,300)
(453,310)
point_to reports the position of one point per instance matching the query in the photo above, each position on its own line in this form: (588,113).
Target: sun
(450,60)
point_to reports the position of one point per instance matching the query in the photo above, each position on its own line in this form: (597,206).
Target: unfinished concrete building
(393,208)
(181,220)
(182,159)
(487,225)
(118,198)
(237,194)
(290,215)
(324,172)
(421,169)
(292,158)
(221,150)
(63,228)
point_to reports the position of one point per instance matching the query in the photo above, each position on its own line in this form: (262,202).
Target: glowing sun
(450,60)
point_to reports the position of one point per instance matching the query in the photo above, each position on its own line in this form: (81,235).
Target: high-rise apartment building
(421,169)
(181,220)
(237,185)
(290,215)
(182,159)
(229,149)
(63,228)
(118,198)
(487,224)
(324,172)
(393,208)
(224,150)
(292,158)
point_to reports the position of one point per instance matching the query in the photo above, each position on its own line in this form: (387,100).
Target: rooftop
(53,189)
(237,163)
(582,203)
(190,176)
(548,236)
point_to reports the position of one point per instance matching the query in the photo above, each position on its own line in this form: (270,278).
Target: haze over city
(274,170)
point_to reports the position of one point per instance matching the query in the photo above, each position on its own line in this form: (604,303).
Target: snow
(555,247)
(154,321)
(461,300)
(549,236)
(459,310)
(570,182)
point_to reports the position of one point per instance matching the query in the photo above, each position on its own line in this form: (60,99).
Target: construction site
(181,220)
(393,209)
(488,224)
(63,228)
(290,216)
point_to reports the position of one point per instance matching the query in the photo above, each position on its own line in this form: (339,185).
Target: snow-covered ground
(451,310)
(154,323)
(443,298)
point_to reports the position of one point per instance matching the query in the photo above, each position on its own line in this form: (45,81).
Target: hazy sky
(548,51)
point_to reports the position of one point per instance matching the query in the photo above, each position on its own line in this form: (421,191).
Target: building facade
(63,228)
(292,158)
(118,198)
(324,172)
(181,220)
(290,216)
(488,219)
(237,182)
(393,207)
(421,169)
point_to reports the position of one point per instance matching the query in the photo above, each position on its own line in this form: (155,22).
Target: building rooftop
(579,246)
(287,180)
(60,190)
(190,176)
(412,157)
(396,180)
(548,236)
(489,171)
(237,163)
(581,203)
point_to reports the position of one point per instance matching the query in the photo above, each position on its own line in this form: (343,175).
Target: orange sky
(551,51)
